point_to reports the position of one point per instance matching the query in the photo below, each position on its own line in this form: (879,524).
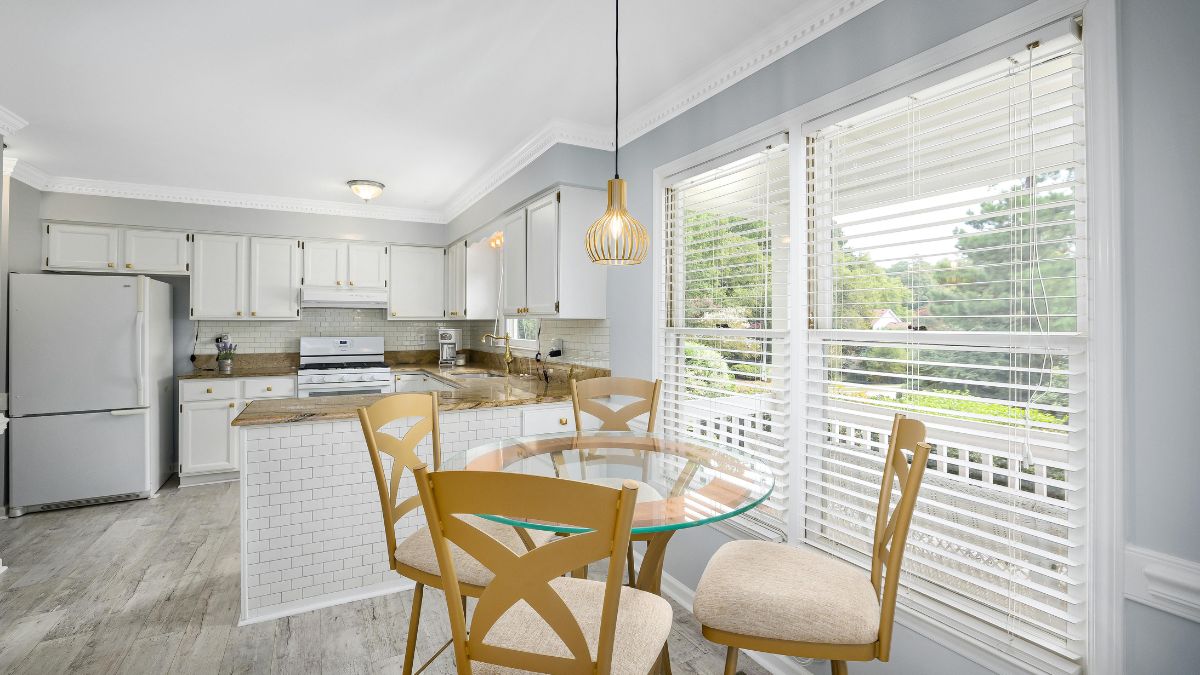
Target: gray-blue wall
(1160,115)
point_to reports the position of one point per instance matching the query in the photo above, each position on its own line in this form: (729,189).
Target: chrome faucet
(508,357)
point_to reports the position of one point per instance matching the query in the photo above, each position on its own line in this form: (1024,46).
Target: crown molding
(34,177)
(10,122)
(799,28)
(555,132)
(10,163)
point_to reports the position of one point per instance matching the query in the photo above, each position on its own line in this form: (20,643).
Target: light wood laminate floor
(151,586)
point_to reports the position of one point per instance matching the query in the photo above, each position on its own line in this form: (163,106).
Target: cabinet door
(274,278)
(483,280)
(513,259)
(218,276)
(324,263)
(541,269)
(162,251)
(81,247)
(367,265)
(456,281)
(417,282)
(207,442)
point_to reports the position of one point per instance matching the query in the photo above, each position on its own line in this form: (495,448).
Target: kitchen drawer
(269,387)
(550,419)
(208,390)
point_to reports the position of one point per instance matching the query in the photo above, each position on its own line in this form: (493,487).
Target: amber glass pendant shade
(617,238)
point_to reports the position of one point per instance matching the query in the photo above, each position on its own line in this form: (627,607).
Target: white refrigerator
(90,389)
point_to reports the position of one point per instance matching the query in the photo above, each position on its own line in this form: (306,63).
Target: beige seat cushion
(417,550)
(786,592)
(643,622)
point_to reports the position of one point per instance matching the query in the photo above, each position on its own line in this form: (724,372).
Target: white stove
(341,366)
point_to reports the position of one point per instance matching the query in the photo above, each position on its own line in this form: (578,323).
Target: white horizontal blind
(723,319)
(947,280)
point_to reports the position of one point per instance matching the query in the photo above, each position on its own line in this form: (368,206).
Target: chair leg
(838,667)
(731,656)
(629,560)
(414,619)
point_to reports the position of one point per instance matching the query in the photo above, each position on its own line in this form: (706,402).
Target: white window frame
(510,327)
(1105,528)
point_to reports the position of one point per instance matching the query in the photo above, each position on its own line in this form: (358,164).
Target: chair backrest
(891,524)
(606,512)
(424,407)
(583,395)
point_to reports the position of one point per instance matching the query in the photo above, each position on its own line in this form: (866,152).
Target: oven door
(345,389)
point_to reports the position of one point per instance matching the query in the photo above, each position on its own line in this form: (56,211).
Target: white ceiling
(293,99)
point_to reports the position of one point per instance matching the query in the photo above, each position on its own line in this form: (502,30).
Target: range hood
(357,298)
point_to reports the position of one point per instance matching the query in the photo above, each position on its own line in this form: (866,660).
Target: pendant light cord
(617,86)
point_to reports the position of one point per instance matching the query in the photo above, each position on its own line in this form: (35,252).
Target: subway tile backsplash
(584,342)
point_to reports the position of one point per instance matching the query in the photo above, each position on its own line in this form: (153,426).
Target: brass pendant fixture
(617,238)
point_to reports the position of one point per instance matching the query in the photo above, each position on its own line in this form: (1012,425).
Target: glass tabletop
(681,482)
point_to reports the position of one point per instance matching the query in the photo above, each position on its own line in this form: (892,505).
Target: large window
(723,320)
(947,280)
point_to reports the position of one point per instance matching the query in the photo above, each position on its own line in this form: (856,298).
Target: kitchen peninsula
(311,530)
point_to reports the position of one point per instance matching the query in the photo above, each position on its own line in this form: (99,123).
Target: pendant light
(617,238)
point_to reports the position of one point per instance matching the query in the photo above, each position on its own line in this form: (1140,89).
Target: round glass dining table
(682,482)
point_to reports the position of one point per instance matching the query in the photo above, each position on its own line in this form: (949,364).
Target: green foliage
(709,364)
(938,399)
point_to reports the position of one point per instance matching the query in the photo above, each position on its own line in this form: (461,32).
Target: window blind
(723,318)
(946,270)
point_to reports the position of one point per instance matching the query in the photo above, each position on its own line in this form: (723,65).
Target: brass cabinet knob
(239,312)
(562,421)
(111,265)
(268,387)
(253,313)
(230,405)
(393,314)
(208,391)
(128,266)
(350,282)
(339,283)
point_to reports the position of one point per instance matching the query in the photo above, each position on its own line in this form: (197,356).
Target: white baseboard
(1163,582)
(397,585)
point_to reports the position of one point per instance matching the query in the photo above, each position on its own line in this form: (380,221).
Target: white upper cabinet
(218,276)
(367,265)
(155,251)
(417,288)
(325,263)
(456,281)
(483,280)
(541,267)
(81,247)
(274,278)
(546,268)
(135,250)
(513,257)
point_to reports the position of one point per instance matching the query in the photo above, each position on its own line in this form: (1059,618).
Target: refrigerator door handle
(139,326)
(128,411)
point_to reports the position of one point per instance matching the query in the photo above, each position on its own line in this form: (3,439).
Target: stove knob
(345,378)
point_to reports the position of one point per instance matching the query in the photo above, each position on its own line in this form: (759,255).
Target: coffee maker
(449,340)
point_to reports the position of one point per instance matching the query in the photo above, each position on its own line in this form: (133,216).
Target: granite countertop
(467,395)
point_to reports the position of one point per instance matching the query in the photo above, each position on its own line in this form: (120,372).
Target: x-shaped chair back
(583,395)
(891,524)
(424,408)
(606,512)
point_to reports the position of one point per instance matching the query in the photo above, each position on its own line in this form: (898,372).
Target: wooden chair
(585,393)
(789,600)
(565,625)
(414,557)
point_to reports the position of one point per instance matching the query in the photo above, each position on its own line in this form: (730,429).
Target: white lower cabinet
(207,442)
(209,446)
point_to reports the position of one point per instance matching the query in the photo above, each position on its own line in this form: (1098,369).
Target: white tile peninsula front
(312,534)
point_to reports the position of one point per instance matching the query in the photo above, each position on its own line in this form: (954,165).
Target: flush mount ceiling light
(617,238)
(365,190)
